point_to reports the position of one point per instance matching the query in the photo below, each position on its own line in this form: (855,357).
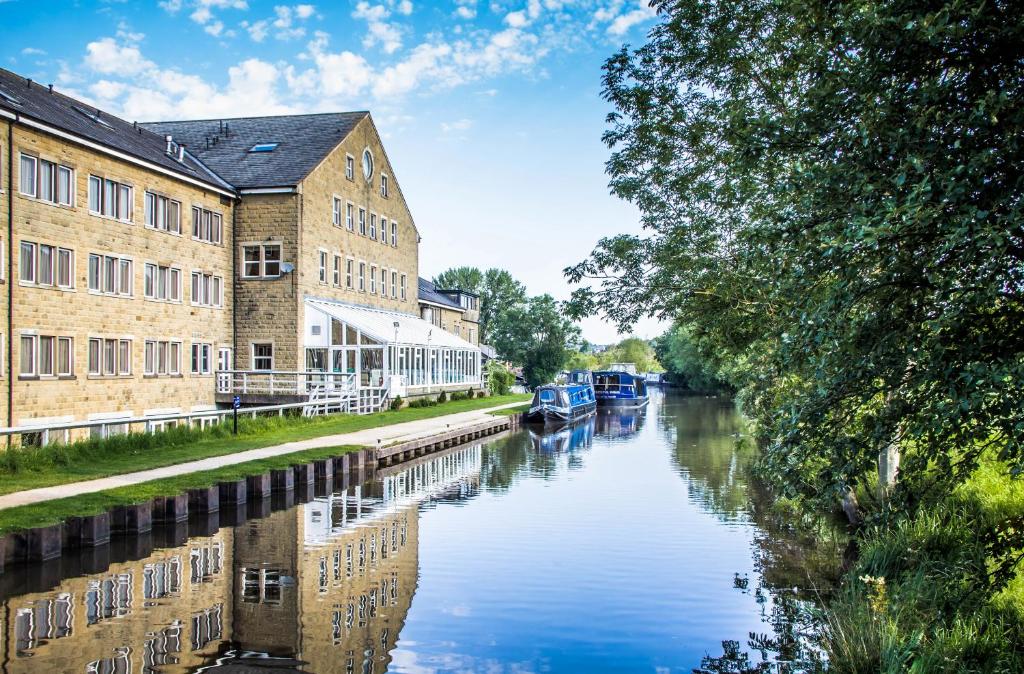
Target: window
(110,198)
(337,271)
(394,233)
(162,358)
(384,230)
(163,213)
(46,265)
(262,356)
(46,356)
(206,225)
(322,257)
(367,164)
(348,216)
(261,260)
(110,275)
(336,212)
(350,167)
(394,284)
(207,290)
(383,282)
(46,180)
(110,357)
(373,225)
(224,359)
(162,283)
(402,288)
(383,185)
(362,221)
(362,277)
(373,279)
(349,263)
(263,147)
(202,359)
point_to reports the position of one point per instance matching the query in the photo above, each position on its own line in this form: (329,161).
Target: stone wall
(81,314)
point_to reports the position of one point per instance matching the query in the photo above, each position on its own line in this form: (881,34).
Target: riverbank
(224,461)
(34,468)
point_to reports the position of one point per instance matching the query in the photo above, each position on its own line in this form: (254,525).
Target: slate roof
(40,103)
(224,144)
(428,293)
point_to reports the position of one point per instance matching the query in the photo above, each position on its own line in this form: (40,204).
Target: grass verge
(30,468)
(511,411)
(53,512)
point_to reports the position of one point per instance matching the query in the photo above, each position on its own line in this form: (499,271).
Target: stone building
(457,311)
(150,268)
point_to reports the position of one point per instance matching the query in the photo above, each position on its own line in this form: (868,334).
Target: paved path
(370,437)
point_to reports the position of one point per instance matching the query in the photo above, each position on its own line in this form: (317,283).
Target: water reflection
(618,544)
(325,585)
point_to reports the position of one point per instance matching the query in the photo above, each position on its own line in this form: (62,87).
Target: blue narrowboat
(619,388)
(555,403)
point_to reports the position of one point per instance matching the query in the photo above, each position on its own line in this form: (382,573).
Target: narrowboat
(581,377)
(555,403)
(620,388)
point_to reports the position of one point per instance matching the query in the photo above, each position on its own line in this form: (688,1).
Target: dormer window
(263,147)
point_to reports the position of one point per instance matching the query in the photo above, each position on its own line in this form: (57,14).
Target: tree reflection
(706,434)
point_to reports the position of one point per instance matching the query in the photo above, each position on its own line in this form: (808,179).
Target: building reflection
(324,586)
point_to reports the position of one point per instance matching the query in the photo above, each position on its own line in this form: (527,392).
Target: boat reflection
(323,586)
(578,435)
(619,423)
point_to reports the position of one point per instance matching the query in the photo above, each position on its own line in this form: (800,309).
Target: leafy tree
(631,350)
(499,378)
(535,334)
(468,279)
(832,198)
(580,360)
(499,293)
(687,367)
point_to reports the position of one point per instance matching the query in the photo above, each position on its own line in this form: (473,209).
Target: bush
(499,378)
(422,402)
(470,394)
(443,398)
(396,404)
(480,394)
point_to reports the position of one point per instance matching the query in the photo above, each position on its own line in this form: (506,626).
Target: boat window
(546,396)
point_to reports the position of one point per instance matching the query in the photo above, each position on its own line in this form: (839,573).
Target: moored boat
(620,388)
(554,403)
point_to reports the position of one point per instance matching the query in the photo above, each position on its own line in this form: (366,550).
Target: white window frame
(337,208)
(373,279)
(119,191)
(394,234)
(151,365)
(394,284)
(119,366)
(362,276)
(350,271)
(336,271)
(156,216)
(253,357)
(322,256)
(404,281)
(172,289)
(200,358)
(373,226)
(350,167)
(210,287)
(119,262)
(362,221)
(262,262)
(55,170)
(384,185)
(35,279)
(350,216)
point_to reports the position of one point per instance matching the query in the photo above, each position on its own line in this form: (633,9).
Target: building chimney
(181,152)
(51,88)
(170,143)
(28,82)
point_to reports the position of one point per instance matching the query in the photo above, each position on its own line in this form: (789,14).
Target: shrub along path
(59,478)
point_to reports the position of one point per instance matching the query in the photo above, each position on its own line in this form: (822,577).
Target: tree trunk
(888,467)
(851,507)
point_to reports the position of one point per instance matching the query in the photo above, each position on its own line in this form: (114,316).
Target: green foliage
(631,350)
(832,209)
(580,360)
(536,335)
(423,402)
(468,279)
(499,378)
(396,403)
(686,365)
(443,398)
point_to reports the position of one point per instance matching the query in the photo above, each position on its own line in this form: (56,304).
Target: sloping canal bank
(40,524)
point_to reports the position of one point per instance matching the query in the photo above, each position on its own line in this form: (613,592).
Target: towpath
(370,437)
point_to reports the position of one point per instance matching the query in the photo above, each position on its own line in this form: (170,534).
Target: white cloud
(32,51)
(388,35)
(459,125)
(516,19)
(108,57)
(426,63)
(303,12)
(620,22)
(465,12)
(215,28)
(257,30)
(405,7)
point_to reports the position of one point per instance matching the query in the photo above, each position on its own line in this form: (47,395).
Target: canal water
(630,542)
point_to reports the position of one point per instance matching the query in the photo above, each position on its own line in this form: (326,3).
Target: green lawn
(22,469)
(53,512)
(511,411)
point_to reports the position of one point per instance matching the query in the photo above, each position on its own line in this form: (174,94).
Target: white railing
(59,432)
(285,382)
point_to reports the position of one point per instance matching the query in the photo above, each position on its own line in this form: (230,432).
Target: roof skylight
(263,147)
(8,98)
(94,116)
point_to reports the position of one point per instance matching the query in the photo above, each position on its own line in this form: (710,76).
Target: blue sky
(491,111)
